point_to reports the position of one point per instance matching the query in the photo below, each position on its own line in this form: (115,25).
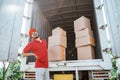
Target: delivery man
(39,48)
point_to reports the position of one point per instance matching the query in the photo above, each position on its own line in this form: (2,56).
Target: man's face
(35,35)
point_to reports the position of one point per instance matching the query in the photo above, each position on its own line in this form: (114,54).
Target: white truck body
(103,64)
(42,14)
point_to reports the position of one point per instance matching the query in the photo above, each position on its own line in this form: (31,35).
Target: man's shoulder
(44,40)
(32,42)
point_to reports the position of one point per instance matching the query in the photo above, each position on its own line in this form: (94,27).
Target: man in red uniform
(39,48)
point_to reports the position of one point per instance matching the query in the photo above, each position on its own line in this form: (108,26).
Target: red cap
(31,31)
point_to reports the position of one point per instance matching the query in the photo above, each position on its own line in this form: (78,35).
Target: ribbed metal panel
(62,13)
(39,22)
(11,13)
(112,9)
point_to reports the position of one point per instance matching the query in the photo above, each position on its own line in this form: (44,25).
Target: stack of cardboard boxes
(84,38)
(57,44)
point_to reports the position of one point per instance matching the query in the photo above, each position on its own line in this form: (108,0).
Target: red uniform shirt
(40,50)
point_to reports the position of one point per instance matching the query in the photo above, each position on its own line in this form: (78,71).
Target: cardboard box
(56,53)
(86,52)
(58,30)
(83,33)
(63,76)
(82,23)
(84,41)
(56,40)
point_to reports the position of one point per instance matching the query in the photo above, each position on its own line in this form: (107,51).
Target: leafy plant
(1,73)
(114,74)
(12,71)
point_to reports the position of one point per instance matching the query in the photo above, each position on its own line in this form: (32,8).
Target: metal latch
(27,17)
(107,50)
(103,26)
(61,64)
(29,2)
(99,7)
(24,35)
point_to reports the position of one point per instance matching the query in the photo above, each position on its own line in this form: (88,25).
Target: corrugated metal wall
(11,13)
(62,14)
(39,22)
(112,8)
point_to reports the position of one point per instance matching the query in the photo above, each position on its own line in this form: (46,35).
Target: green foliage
(1,70)
(114,69)
(14,71)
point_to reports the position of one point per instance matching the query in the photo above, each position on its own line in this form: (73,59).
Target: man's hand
(20,55)
(35,56)
(27,54)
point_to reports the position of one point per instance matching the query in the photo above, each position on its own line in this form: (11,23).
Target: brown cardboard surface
(86,52)
(58,30)
(84,33)
(84,41)
(81,23)
(56,40)
(56,53)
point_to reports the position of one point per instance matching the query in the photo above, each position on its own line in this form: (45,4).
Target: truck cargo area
(62,13)
(82,37)
(50,14)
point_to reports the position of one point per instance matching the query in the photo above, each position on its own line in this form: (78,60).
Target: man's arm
(27,49)
(29,54)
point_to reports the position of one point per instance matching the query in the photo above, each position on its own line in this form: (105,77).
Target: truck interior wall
(42,25)
(48,15)
(98,53)
(40,22)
